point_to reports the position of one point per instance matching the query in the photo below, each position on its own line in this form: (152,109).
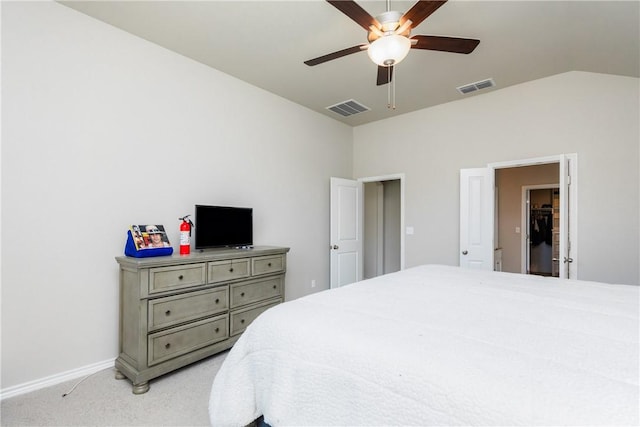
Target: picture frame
(147,240)
(149,236)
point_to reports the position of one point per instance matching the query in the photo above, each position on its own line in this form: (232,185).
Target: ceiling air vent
(348,108)
(472,87)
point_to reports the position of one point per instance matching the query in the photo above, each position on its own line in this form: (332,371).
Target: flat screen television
(223,226)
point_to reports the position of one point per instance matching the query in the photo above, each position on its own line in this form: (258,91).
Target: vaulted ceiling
(265,43)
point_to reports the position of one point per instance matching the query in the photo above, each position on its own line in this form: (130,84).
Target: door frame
(568,205)
(524,237)
(394,177)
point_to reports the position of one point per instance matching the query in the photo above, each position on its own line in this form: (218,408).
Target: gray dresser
(176,310)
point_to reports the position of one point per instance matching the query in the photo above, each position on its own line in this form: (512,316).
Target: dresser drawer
(222,271)
(267,264)
(163,279)
(175,342)
(249,292)
(242,318)
(170,311)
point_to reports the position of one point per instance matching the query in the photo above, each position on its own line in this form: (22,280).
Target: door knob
(465,252)
(334,247)
(567,259)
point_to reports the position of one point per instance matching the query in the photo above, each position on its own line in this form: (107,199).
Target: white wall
(594,115)
(100,130)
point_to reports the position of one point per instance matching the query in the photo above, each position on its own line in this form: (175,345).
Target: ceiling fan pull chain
(393,91)
(388,88)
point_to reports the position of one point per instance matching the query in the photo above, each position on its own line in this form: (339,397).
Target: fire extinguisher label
(184,238)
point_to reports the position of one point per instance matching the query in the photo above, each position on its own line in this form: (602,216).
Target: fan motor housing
(389,22)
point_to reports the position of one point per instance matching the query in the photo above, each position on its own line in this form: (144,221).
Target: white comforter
(437,345)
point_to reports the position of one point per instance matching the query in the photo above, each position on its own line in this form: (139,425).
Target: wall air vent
(348,108)
(472,87)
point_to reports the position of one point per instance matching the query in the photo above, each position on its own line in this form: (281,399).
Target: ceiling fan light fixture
(389,50)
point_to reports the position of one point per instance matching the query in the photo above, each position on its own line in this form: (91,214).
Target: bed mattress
(439,345)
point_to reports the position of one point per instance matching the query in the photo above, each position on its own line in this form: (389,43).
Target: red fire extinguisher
(185,235)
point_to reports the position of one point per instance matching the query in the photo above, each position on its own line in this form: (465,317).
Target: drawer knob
(274,286)
(217,330)
(241,320)
(167,313)
(231,270)
(180,277)
(167,345)
(217,300)
(269,265)
(242,294)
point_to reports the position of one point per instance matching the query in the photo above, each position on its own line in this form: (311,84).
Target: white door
(568,213)
(346,231)
(476,218)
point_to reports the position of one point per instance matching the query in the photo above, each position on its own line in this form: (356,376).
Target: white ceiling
(265,43)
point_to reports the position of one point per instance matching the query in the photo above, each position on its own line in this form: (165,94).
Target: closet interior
(544,232)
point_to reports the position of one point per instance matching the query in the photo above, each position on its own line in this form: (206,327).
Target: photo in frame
(149,237)
(147,240)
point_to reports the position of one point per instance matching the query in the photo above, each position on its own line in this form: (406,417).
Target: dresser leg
(141,388)
(137,388)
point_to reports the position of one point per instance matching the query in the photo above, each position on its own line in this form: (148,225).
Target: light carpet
(180,398)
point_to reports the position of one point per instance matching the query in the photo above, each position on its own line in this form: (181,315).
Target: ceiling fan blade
(355,12)
(336,55)
(385,74)
(445,44)
(421,11)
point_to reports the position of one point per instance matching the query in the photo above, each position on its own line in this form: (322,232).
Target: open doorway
(347,237)
(527,226)
(383,224)
(541,220)
(381,228)
(480,216)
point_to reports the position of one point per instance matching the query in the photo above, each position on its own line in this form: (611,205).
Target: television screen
(220,226)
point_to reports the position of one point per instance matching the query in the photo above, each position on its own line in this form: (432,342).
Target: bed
(439,345)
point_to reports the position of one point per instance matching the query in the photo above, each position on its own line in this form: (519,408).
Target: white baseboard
(55,379)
